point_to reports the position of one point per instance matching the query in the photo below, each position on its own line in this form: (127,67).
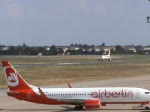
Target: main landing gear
(78,107)
(141,107)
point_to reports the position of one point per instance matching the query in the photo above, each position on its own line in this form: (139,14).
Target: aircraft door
(138,95)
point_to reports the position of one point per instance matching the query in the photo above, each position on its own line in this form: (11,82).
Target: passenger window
(147,92)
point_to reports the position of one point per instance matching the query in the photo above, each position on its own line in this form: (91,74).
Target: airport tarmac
(8,104)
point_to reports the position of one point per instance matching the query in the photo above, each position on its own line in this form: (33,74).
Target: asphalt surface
(8,104)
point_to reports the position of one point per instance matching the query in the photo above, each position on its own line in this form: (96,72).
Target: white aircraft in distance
(105,57)
(88,98)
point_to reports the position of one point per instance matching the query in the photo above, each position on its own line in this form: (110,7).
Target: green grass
(91,69)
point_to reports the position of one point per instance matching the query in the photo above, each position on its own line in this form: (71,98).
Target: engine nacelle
(92,104)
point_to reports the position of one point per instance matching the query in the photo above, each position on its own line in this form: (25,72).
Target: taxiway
(12,104)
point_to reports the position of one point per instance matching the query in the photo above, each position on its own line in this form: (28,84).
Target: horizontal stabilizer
(12,92)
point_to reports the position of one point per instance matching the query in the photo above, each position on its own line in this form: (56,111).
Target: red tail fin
(14,80)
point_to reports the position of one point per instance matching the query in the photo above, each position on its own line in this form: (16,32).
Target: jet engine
(92,104)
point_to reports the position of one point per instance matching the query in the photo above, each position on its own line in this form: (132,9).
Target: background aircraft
(105,57)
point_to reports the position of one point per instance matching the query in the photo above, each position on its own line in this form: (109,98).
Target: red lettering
(118,94)
(107,94)
(122,93)
(102,93)
(94,95)
(114,94)
(130,94)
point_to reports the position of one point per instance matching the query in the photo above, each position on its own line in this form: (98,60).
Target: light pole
(148,17)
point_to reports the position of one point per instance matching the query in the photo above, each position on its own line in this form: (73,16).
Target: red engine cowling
(92,104)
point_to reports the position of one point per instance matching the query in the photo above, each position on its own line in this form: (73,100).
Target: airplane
(88,98)
(105,57)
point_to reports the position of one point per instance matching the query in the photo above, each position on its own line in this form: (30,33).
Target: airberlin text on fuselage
(115,94)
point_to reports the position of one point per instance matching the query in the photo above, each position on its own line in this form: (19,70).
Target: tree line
(84,49)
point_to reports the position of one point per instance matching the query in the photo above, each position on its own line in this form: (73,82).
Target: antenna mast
(148,17)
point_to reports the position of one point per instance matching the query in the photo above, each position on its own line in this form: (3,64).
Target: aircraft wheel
(78,107)
(147,108)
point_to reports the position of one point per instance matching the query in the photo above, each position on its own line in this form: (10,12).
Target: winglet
(69,85)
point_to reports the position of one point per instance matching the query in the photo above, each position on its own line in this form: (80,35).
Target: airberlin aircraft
(88,98)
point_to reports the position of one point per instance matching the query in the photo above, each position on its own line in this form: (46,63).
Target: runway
(11,104)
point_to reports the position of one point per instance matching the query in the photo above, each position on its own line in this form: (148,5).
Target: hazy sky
(62,22)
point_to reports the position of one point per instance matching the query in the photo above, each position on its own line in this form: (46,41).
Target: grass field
(50,72)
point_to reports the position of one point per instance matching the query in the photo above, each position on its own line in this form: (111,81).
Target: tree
(103,44)
(11,50)
(19,50)
(60,51)
(119,49)
(93,51)
(41,50)
(53,50)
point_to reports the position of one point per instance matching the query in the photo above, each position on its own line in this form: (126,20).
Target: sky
(63,22)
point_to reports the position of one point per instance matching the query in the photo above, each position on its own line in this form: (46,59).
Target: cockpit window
(147,92)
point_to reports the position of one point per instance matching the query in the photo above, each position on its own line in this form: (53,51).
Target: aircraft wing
(69,100)
(74,100)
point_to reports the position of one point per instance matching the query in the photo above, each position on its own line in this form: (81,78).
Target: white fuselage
(105,94)
(105,57)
